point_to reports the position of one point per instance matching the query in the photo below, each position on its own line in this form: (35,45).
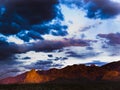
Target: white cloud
(116,1)
(14,39)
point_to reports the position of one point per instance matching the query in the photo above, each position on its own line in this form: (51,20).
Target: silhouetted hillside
(112,66)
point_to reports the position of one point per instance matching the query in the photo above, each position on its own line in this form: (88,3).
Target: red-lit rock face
(33,77)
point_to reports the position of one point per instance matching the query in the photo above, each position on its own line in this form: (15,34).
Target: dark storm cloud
(26,58)
(36,32)
(110,43)
(50,45)
(55,29)
(7,49)
(72,3)
(112,38)
(20,16)
(60,58)
(102,9)
(34,11)
(43,65)
(8,71)
(28,35)
(82,55)
(89,48)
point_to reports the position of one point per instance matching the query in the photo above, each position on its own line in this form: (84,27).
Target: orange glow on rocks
(33,77)
(111,75)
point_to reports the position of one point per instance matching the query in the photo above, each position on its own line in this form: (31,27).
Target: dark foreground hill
(72,85)
(76,73)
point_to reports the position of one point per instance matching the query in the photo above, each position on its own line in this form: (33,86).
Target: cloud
(60,58)
(28,35)
(50,45)
(96,62)
(43,65)
(31,19)
(72,3)
(55,28)
(89,48)
(102,8)
(112,38)
(7,72)
(10,67)
(82,55)
(7,49)
(94,9)
(34,11)
(110,43)
(90,26)
(26,58)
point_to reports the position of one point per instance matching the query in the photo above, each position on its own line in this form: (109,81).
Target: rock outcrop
(33,77)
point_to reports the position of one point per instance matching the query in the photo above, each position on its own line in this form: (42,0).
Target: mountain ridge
(110,71)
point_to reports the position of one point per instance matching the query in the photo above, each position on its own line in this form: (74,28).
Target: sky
(44,34)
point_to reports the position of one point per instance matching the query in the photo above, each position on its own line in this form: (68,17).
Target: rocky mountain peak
(32,77)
